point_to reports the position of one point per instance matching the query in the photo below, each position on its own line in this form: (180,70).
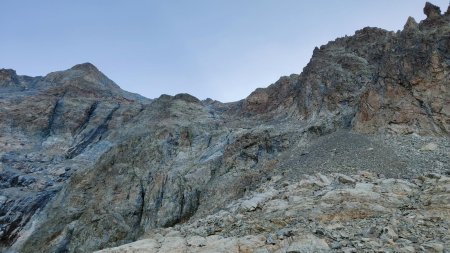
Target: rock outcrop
(10,80)
(319,213)
(85,165)
(373,81)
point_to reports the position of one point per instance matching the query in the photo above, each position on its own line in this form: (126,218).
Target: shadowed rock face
(85,165)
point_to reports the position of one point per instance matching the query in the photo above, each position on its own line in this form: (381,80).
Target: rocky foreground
(86,166)
(319,213)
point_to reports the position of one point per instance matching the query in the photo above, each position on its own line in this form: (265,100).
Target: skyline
(222,50)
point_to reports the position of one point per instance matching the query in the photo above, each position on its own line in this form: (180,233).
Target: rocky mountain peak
(84,79)
(432,11)
(8,77)
(87,67)
(4,73)
(411,24)
(187,98)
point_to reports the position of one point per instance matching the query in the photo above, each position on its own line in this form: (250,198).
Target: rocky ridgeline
(373,81)
(85,165)
(319,213)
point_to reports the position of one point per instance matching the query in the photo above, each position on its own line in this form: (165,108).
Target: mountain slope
(86,165)
(373,81)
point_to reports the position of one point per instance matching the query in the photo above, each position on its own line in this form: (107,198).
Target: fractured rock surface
(319,213)
(85,165)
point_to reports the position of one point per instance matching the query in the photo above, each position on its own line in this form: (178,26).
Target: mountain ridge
(85,165)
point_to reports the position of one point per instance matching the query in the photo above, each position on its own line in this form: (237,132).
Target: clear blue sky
(222,49)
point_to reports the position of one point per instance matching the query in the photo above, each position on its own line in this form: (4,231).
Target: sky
(219,49)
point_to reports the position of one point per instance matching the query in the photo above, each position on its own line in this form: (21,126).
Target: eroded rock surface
(319,213)
(373,81)
(85,165)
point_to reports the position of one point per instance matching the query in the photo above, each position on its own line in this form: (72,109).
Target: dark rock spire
(432,11)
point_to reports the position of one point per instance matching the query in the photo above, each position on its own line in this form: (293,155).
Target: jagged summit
(431,10)
(434,16)
(411,24)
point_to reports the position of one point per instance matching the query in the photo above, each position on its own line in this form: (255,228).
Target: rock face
(47,121)
(319,213)
(85,165)
(374,81)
